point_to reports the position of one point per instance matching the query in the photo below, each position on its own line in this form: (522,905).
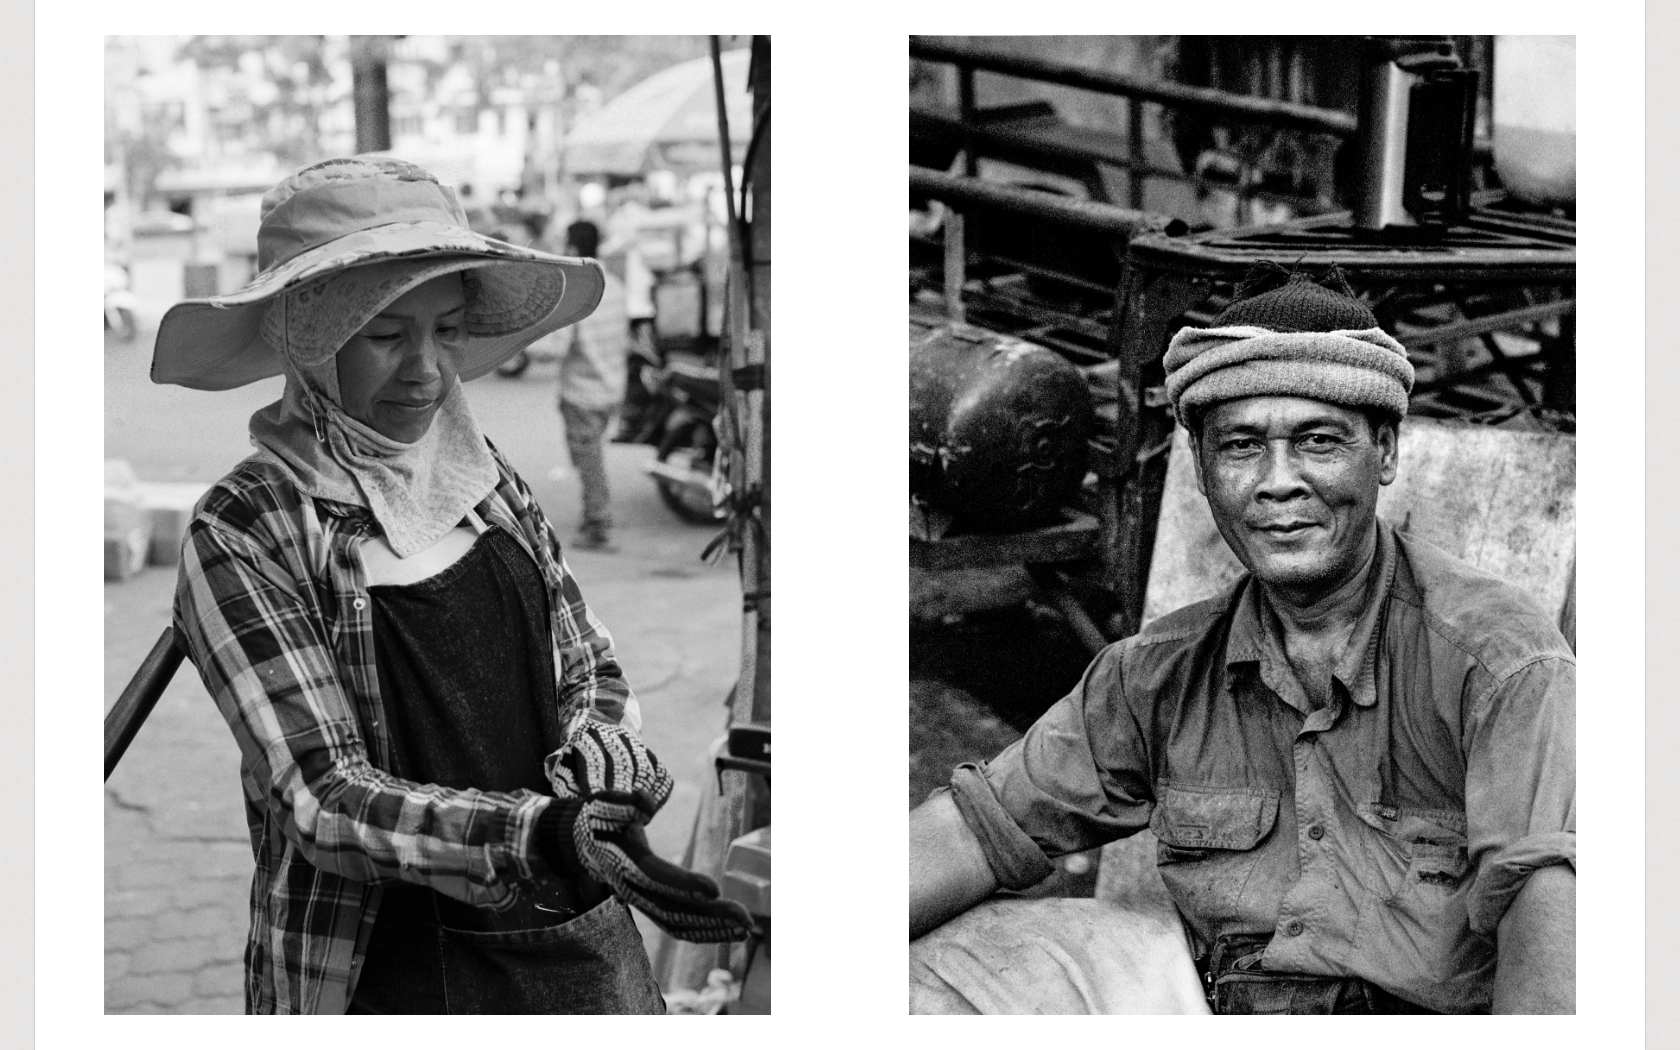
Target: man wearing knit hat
(1358,760)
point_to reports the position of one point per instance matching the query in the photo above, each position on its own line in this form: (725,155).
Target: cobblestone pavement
(177,855)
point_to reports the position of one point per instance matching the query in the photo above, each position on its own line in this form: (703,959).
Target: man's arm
(948,872)
(1536,972)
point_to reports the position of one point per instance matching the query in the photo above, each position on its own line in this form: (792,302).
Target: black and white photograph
(436,524)
(1242,548)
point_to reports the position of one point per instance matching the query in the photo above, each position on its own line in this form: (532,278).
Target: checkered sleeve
(255,633)
(588,675)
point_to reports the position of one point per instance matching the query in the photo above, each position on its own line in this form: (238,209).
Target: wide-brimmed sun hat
(341,240)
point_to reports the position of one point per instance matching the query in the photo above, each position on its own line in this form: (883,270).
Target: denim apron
(466,672)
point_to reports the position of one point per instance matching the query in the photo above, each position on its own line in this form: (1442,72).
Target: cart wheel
(515,366)
(122,324)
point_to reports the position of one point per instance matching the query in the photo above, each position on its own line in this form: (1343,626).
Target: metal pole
(1208,101)
(956,261)
(372,98)
(1140,162)
(1090,216)
(747,355)
(138,698)
(758,230)
(965,107)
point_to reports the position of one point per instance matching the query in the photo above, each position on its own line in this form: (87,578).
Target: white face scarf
(417,492)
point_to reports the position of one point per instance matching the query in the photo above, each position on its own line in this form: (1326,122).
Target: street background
(177,855)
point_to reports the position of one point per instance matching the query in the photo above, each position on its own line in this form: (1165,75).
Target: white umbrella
(667,121)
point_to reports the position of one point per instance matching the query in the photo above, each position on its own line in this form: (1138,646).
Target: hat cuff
(1351,386)
(1360,368)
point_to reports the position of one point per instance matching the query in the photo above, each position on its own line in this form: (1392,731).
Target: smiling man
(1358,759)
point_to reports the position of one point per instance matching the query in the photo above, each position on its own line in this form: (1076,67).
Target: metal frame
(1170,279)
(976,140)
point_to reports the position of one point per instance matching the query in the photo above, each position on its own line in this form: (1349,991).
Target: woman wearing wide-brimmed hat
(442,772)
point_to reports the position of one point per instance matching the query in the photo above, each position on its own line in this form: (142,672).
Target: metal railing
(963,195)
(977,140)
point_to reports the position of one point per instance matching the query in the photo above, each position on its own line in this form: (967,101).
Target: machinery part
(1417,111)
(119,320)
(682,472)
(999,427)
(515,366)
(746,880)
(746,872)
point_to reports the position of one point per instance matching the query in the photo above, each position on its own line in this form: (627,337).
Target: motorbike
(515,366)
(120,303)
(680,423)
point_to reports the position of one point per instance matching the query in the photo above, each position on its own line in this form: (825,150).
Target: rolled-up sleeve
(1077,780)
(1519,790)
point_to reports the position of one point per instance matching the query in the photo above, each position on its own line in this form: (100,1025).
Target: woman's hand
(602,758)
(603,838)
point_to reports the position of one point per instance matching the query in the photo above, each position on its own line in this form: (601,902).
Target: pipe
(1244,108)
(141,694)
(957,190)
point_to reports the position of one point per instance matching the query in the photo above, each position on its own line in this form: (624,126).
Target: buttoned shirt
(272,601)
(1379,836)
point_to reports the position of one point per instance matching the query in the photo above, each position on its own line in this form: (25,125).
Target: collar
(1254,639)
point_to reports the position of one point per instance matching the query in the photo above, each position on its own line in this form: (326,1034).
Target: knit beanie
(1299,340)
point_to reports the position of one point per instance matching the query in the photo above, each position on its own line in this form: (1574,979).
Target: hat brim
(217,343)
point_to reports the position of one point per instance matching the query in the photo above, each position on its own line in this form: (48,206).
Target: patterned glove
(603,838)
(601,758)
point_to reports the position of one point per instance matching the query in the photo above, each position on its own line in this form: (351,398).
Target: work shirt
(596,351)
(1381,836)
(272,601)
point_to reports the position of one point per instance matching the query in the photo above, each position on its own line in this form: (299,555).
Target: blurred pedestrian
(624,243)
(443,775)
(592,377)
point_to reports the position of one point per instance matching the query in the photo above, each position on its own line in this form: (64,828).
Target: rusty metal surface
(960,191)
(1077,536)
(1486,249)
(1246,109)
(998,427)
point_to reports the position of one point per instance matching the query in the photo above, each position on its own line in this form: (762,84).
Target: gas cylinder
(998,427)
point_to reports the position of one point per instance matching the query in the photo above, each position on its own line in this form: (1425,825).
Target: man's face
(1293,484)
(393,374)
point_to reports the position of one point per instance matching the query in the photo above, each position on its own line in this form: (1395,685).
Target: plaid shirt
(273,604)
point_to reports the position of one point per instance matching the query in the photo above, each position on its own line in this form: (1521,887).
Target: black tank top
(466,681)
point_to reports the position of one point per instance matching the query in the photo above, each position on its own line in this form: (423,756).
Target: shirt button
(359,604)
(1316,831)
(1294,928)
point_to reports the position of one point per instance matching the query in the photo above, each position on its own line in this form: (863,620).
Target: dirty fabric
(1054,956)
(1381,836)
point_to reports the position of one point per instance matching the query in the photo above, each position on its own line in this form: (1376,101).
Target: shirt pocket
(1207,839)
(1417,904)
(1424,848)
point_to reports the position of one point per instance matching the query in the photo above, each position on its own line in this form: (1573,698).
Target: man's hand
(1536,973)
